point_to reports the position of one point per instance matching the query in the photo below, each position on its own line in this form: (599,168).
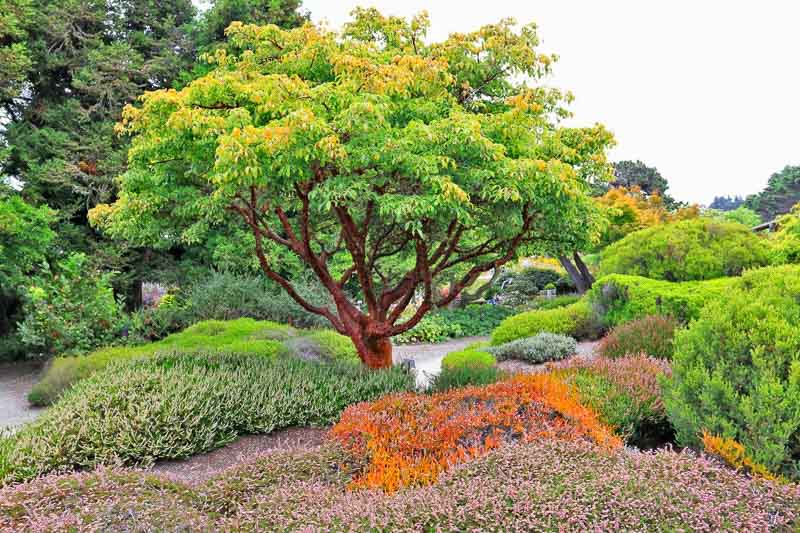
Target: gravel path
(16,380)
(199,468)
(428,357)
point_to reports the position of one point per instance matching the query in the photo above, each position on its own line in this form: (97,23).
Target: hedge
(619,298)
(577,320)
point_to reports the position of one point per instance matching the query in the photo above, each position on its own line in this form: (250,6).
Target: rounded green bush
(736,370)
(540,348)
(689,250)
(333,345)
(468,357)
(576,320)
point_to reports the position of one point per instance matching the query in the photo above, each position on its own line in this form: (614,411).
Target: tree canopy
(363,152)
(781,193)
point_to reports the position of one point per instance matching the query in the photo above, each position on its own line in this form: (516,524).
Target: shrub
(519,288)
(226,296)
(786,241)
(468,357)
(410,439)
(244,335)
(173,406)
(651,335)
(618,299)
(577,320)
(70,310)
(737,372)
(471,321)
(626,394)
(462,376)
(538,486)
(537,349)
(555,303)
(332,345)
(688,250)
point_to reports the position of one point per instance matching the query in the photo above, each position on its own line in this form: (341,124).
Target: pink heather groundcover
(542,486)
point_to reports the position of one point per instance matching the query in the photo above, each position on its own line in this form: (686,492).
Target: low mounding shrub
(410,439)
(577,320)
(245,336)
(472,321)
(174,406)
(540,348)
(736,371)
(688,250)
(468,357)
(462,376)
(618,299)
(537,486)
(651,335)
(554,303)
(626,394)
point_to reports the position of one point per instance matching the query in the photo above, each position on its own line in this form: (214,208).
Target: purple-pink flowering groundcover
(541,486)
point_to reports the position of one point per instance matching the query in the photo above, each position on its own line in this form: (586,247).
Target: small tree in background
(371,156)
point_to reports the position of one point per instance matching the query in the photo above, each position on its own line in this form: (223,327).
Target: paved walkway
(16,380)
(428,357)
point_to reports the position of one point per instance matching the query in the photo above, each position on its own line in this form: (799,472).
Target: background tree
(211,26)
(781,193)
(14,55)
(369,147)
(726,203)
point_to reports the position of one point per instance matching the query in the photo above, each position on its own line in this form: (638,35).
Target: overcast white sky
(705,90)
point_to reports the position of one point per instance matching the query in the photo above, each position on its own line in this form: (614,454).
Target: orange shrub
(735,455)
(409,439)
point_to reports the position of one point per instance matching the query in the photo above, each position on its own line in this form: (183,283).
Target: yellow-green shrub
(577,320)
(468,357)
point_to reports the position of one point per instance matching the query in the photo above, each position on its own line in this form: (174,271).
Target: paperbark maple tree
(361,151)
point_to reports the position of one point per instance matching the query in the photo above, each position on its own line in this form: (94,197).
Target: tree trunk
(581,283)
(375,352)
(587,276)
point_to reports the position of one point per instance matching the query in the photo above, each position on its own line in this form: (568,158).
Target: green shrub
(472,321)
(226,296)
(468,357)
(173,406)
(651,335)
(736,370)
(786,241)
(555,303)
(689,250)
(332,345)
(540,348)
(519,288)
(464,376)
(244,335)
(618,299)
(577,320)
(70,310)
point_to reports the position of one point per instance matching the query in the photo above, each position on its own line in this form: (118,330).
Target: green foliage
(786,241)
(212,24)
(70,310)
(544,304)
(468,357)
(245,335)
(636,174)
(688,250)
(14,54)
(362,151)
(650,335)
(737,370)
(333,345)
(778,197)
(540,348)
(741,215)
(726,203)
(175,406)
(475,320)
(618,299)
(25,237)
(464,376)
(520,288)
(577,320)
